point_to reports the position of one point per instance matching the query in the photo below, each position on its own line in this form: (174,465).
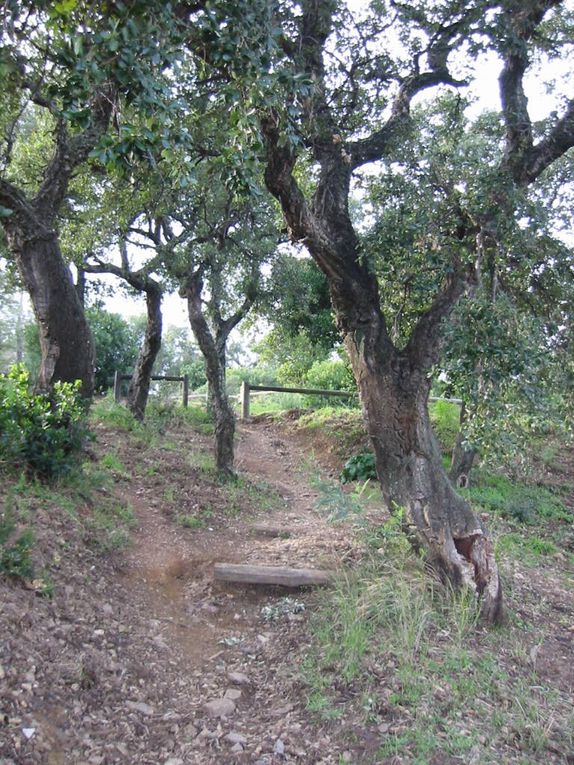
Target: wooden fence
(119,378)
(246,388)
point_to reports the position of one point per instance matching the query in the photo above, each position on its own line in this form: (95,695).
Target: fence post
(244,398)
(117,386)
(185,390)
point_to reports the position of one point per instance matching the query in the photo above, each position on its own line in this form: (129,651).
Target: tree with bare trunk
(353,110)
(142,281)
(70,71)
(217,258)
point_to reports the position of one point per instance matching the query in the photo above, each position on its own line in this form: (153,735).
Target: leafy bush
(42,433)
(330,375)
(359,467)
(15,558)
(445,419)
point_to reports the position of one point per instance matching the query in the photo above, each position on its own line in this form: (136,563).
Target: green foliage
(523,503)
(330,374)
(117,344)
(40,432)
(359,467)
(258,375)
(298,303)
(291,355)
(15,548)
(445,419)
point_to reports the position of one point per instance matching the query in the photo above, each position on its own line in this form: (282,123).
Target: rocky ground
(132,653)
(139,656)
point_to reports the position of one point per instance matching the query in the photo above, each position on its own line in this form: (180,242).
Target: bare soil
(118,665)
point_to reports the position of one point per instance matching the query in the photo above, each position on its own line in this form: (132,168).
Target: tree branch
(524,160)
(71,152)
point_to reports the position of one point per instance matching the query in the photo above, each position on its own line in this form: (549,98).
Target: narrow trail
(140,657)
(213,636)
(170,570)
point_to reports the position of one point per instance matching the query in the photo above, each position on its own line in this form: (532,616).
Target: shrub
(360,467)
(15,558)
(40,432)
(331,375)
(445,419)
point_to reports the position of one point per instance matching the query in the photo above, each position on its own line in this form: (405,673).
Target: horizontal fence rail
(119,378)
(247,388)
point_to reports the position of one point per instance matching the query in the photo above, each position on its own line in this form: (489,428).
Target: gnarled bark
(394,387)
(215,372)
(138,391)
(393,384)
(67,351)
(65,338)
(463,457)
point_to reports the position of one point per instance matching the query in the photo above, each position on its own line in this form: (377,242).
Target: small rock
(174,761)
(28,732)
(239,678)
(237,749)
(232,693)
(279,748)
(219,707)
(236,738)
(107,609)
(140,706)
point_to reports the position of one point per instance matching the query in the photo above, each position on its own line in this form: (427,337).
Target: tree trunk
(462,462)
(393,384)
(394,394)
(65,338)
(140,383)
(215,372)
(463,457)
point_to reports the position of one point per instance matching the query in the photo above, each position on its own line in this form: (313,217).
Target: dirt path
(148,660)
(233,641)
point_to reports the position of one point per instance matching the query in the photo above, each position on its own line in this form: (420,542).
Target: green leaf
(65,6)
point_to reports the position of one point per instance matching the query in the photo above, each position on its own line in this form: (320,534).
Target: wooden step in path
(271,575)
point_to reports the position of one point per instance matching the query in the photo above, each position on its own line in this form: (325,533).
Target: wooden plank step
(288,577)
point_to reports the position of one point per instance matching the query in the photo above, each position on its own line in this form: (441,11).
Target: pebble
(219,707)
(236,738)
(140,706)
(232,693)
(279,748)
(237,749)
(239,678)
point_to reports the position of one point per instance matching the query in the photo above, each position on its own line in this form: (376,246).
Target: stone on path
(139,706)
(236,738)
(239,678)
(220,707)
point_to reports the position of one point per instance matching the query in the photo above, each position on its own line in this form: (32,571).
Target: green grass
(524,503)
(112,462)
(189,521)
(117,416)
(408,657)
(445,419)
